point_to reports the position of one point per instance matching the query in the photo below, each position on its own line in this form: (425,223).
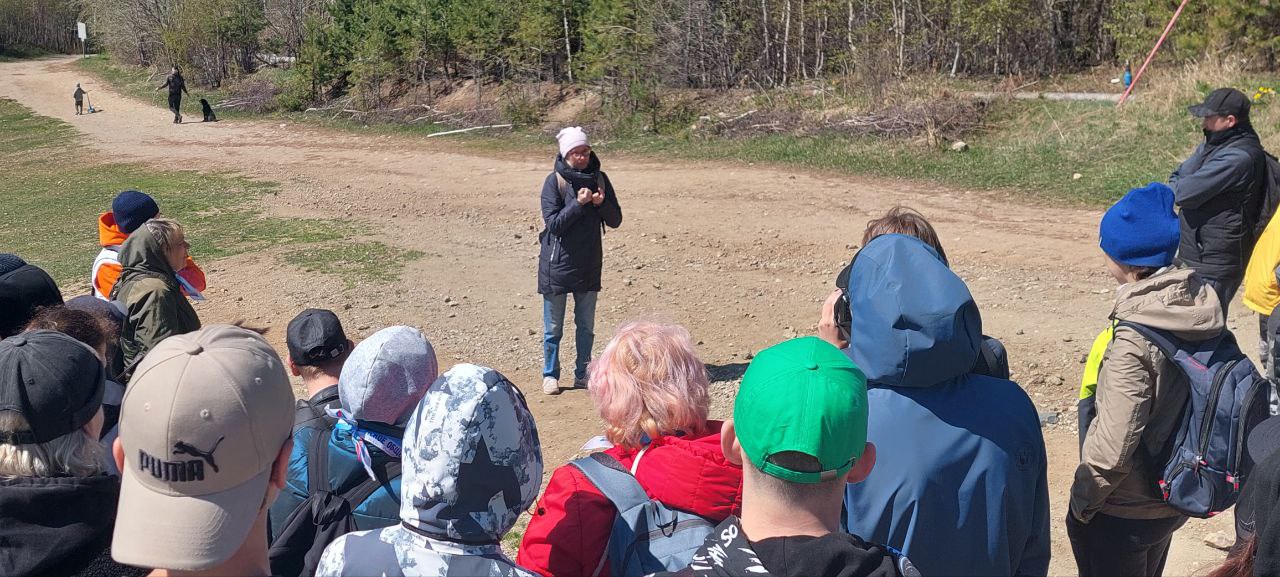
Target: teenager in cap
(57,507)
(200,463)
(799,431)
(318,348)
(381,383)
(578,201)
(472,464)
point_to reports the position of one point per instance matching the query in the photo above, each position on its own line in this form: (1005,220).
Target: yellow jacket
(1261,292)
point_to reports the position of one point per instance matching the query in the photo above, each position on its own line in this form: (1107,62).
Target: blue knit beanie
(1141,229)
(132,208)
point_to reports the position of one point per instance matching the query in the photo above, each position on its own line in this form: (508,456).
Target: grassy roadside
(51,197)
(1058,152)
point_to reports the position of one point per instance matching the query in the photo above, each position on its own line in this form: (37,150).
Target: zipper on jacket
(555,247)
(1211,407)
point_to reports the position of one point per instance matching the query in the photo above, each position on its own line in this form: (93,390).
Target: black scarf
(579,179)
(1242,129)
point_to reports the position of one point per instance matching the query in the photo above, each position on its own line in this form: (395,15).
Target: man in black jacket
(1219,191)
(577,203)
(176,85)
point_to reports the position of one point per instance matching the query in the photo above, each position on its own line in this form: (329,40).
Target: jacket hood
(141,255)
(1175,300)
(55,525)
(472,461)
(387,374)
(914,321)
(109,233)
(690,474)
(728,553)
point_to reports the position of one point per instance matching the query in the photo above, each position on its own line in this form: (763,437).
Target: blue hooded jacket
(960,482)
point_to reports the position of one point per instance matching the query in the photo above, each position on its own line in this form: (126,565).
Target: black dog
(209,116)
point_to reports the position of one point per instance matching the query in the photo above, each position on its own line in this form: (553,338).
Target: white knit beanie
(571,138)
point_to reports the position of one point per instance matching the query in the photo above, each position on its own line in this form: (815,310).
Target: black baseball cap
(315,336)
(1222,102)
(54,381)
(23,289)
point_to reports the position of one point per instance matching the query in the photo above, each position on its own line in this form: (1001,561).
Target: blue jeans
(584,322)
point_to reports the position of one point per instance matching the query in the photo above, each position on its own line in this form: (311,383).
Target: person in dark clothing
(578,201)
(799,430)
(57,507)
(1219,193)
(1257,548)
(23,289)
(176,85)
(79,96)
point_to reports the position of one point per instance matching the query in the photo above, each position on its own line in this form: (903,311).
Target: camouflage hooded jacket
(471,464)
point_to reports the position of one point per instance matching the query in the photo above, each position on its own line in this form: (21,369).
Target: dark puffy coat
(572,247)
(1218,190)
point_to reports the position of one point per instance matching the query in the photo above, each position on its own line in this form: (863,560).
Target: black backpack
(322,517)
(1270,193)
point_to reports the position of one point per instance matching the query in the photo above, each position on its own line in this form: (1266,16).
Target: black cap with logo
(1222,102)
(315,337)
(54,381)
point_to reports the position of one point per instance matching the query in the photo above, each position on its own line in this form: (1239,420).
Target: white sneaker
(550,386)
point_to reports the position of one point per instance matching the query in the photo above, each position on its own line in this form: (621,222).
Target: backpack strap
(612,479)
(365,489)
(616,483)
(318,461)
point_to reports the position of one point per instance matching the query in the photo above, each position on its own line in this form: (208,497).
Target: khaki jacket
(1141,395)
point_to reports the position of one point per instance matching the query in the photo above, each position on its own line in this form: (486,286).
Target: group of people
(136,440)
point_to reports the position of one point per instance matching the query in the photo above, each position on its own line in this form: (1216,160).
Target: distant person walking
(578,201)
(1219,193)
(79,96)
(176,85)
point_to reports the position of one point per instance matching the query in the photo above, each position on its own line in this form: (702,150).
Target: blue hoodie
(960,481)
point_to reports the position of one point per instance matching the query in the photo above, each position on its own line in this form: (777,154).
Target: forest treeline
(631,48)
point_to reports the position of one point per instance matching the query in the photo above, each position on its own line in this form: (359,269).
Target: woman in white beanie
(577,203)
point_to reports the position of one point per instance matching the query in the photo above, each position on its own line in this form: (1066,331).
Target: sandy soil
(742,255)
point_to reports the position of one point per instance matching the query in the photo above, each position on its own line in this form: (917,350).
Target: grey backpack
(647,536)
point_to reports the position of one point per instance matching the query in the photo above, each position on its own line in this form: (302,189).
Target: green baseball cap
(803,395)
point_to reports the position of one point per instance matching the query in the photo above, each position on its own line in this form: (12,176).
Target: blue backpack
(1208,461)
(647,536)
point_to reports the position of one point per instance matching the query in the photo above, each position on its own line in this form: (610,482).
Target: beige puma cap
(201,424)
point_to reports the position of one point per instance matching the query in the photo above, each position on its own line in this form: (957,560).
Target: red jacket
(570,526)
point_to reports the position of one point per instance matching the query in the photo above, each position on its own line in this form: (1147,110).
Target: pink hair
(649,381)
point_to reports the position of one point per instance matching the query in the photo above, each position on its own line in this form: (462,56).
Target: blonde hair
(649,382)
(75,454)
(164,230)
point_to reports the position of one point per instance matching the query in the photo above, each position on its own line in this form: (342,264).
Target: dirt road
(741,255)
